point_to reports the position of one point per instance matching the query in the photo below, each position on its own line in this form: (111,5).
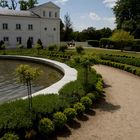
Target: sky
(87,13)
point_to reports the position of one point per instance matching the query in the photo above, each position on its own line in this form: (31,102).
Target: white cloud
(94,16)
(61,1)
(109,19)
(109,3)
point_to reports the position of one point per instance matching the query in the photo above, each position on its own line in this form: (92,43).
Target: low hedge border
(128,68)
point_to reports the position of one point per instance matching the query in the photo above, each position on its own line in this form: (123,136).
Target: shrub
(79,107)
(46,126)
(91,96)
(99,85)
(79,49)
(59,119)
(40,43)
(93,43)
(1,43)
(86,101)
(52,47)
(70,113)
(10,136)
(20,46)
(38,47)
(63,48)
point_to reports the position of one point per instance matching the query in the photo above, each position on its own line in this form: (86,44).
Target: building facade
(41,22)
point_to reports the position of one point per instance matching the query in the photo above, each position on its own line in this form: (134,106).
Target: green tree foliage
(122,35)
(23,5)
(10,136)
(127,14)
(27,75)
(122,38)
(31,3)
(67,28)
(12,4)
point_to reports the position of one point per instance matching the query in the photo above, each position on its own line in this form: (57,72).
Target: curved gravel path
(118,116)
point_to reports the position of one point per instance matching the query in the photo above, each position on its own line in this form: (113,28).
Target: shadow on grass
(74,124)
(103,105)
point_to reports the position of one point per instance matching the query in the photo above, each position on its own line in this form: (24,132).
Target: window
(30,26)
(5,26)
(19,40)
(18,26)
(50,14)
(56,14)
(54,29)
(6,39)
(44,13)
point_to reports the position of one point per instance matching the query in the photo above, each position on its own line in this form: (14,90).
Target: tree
(61,30)
(12,4)
(123,38)
(23,5)
(29,43)
(67,28)
(31,3)
(127,14)
(27,75)
(86,63)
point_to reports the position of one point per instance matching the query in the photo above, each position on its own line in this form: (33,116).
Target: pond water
(9,87)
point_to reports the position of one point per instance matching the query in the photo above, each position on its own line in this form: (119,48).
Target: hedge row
(127,45)
(125,67)
(45,124)
(123,60)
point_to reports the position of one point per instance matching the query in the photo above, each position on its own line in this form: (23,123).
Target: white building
(41,22)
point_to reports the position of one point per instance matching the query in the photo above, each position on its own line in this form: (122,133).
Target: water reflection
(10,89)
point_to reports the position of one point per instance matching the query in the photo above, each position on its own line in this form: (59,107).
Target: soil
(117,117)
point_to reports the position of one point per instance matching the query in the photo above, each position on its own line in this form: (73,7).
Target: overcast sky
(87,13)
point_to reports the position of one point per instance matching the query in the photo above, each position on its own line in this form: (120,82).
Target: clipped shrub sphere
(79,107)
(70,113)
(59,119)
(86,101)
(91,96)
(46,126)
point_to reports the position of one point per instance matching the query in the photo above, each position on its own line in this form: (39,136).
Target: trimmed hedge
(125,60)
(86,101)
(79,107)
(93,43)
(59,119)
(70,113)
(128,68)
(46,126)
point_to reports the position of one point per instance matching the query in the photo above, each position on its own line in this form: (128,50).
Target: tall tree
(12,4)
(68,28)
(127,14)
(23,5)
(27,75)
(31,3)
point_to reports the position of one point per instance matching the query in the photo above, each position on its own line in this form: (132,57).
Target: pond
(9,87)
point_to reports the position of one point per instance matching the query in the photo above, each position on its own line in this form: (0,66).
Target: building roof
(7,12)
(48,4)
